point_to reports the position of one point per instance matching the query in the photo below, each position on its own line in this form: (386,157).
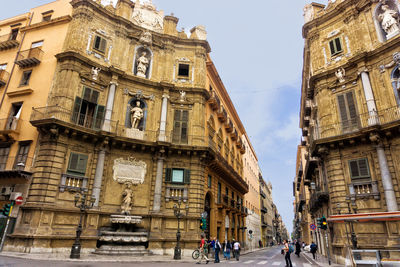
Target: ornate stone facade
(350,124)
(139,165)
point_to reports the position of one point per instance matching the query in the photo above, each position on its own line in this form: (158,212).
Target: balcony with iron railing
(214,101)
(10,127)
(10,40)
(229,125)
(382,118)
(317,199)
(234,135)
(30,57)
(18,163)
(222,114)
(4,75)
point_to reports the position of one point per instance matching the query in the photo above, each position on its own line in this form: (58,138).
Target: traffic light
(204,224)
(324,223)
(319,223)
(6,209)
(201,224)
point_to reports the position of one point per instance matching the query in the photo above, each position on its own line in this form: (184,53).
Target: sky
(257,48)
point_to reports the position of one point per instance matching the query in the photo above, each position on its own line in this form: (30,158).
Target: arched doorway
(207,210)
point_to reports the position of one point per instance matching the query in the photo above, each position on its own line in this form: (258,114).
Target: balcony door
(13,118)
(87,112)
(348,112)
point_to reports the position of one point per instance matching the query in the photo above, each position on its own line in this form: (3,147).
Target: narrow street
(269,257)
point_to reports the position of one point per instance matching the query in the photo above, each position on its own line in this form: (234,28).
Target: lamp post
(179,215)
(80,202)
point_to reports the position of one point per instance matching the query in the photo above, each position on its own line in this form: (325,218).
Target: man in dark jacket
(217,248)
(298,248)
(313,249)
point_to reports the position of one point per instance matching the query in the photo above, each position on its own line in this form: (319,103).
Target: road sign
(313,227)
(19,200)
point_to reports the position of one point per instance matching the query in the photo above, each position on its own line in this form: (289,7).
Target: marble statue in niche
(389,20)
(142,65)
(127,197)
(95,73)
(340,74)
(136,115)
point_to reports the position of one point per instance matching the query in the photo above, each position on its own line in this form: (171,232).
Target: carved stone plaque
(129,171)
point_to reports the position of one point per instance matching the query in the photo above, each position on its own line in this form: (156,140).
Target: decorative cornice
(43,24)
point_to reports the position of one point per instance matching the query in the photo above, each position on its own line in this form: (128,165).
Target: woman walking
(287,254)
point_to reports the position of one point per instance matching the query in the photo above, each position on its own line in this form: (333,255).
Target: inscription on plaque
(129,171)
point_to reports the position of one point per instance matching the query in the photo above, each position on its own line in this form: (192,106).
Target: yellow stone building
(350,120)
(28,45)
(137,119)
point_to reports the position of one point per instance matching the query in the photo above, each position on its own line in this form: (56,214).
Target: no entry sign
(19,200)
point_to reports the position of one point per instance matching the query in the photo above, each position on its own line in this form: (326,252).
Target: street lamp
(179,215)
(80,202)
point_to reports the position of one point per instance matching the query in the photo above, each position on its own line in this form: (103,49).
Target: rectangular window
(37,44)
(209,182)
(100,44)
(183,70)
(77,164)
(46,16)
(13,117)
(14,34)
(348,112)
(3,66)
(180,132)
(179,176)
(359,169)
(3,157)
(22,156)
(227,191)
(87,112)
(335,46)
(26,76)
(219,193)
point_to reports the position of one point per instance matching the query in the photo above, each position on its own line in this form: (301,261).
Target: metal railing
(361,121)
(372,257)
(18,163)
(10,124)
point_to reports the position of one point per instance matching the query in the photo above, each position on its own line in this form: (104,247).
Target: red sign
(19,200)
(313,227)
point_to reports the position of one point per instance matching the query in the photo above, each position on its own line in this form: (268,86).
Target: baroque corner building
(138,119)
(350,122)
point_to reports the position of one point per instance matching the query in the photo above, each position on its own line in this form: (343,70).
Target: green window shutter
(99,117)
(176,132)
(77,163)
(87,92)
(94,97)
(186,176)
(184,134)
(342,109)
(168,175)
(332,48)
(363,167)
(338,45)
(103,44)
(77,108)
(185,115)
(354,169)
(96,43)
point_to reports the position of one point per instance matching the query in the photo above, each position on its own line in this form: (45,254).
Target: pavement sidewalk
(320,261)
(103,258)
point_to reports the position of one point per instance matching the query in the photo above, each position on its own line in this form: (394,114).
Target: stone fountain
(125,237)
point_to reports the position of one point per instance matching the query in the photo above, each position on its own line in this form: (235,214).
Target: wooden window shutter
(168,175)
(77,108)
(354,169)
(103,44)
(186,176)
(363,167)
(99,117)
(359,168)
(332,47)
(77,163)
(94,96)
(352,108)
(96,43)
(342,109)
(338,45)
(87,92)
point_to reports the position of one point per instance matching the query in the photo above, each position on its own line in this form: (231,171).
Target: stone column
(163,120)
(98,177)
(109,107)
(369,97)
(158,184)
(387,183)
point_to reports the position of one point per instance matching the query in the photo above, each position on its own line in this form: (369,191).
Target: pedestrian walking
(227,247)
(212,247)
(203,251)
(298,248)
(236,250)
(287,250)
(313,249)
(217,248)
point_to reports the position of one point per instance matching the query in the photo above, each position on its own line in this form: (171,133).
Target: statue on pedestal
(136,115)
(142,65)
(389,20)
(127,195)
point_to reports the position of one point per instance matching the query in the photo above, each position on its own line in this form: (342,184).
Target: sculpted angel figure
(142,65)
(389,20)
(182,96)
(95,73)
(340,73)
(127,196)
(136,115)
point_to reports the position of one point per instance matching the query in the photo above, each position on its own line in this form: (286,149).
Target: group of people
(296,247)
(214,246)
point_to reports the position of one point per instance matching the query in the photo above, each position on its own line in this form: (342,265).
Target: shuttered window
(77,164)
(180,132)
(359,169)
(86,110)
(178,176)
(100,44)
(348,112)
(335,46)
(3,157)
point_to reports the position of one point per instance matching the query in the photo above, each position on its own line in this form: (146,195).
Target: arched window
(396,84)
(386,16)
(130,109)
